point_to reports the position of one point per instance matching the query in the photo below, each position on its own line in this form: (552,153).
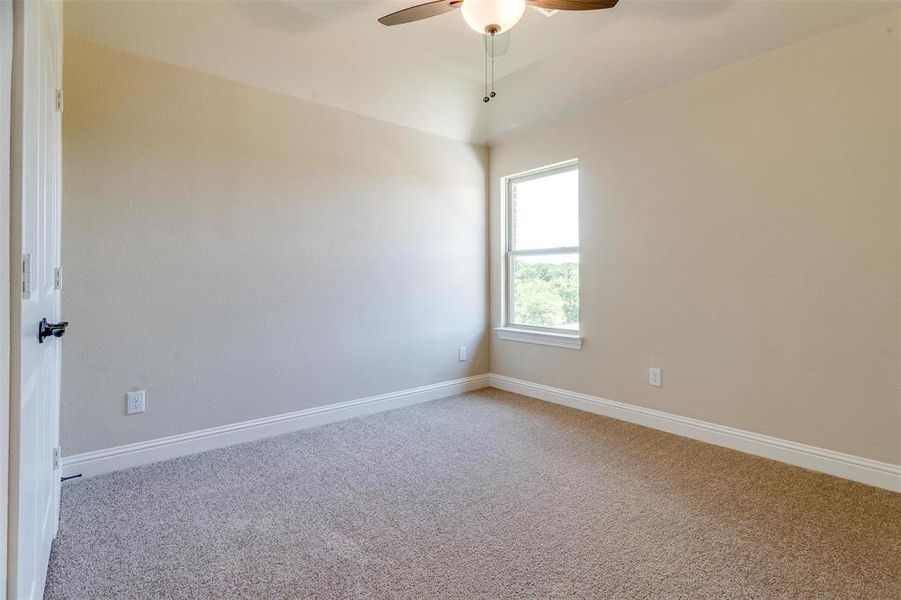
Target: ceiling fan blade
(572,4)
(420,11)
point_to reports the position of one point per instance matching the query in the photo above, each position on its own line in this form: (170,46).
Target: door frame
(6,63)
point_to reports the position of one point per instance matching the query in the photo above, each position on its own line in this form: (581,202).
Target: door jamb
(6,65)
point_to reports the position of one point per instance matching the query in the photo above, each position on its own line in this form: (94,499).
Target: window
(542,252)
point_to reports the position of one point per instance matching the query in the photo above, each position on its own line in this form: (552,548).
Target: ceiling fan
(489,17)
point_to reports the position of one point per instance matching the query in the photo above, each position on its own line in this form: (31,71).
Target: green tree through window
(547,295)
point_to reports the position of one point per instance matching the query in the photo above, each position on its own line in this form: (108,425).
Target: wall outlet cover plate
(135,403)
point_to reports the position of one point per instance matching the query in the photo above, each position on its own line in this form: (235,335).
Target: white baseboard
(855,468)
(142,453)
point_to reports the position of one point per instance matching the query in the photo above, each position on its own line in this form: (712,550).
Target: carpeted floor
(486,495)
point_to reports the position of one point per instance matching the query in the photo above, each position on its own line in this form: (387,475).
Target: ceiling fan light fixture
(492,16)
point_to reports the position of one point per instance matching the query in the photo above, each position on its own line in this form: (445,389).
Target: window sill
(572,341)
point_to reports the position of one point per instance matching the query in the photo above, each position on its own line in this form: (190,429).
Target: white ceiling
(429,75)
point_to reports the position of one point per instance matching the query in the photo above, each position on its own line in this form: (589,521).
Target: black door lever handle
(46,329)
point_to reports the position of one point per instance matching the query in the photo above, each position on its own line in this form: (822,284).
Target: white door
(35,218)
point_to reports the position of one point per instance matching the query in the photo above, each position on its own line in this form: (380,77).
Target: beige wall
(740,231)
(240,254)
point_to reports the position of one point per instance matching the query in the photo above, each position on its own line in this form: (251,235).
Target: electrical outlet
(135,403)
(654,377)
(462,355)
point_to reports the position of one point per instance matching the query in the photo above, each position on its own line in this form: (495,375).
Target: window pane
(546,291)
(546,211)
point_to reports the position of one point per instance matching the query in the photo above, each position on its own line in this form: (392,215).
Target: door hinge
(26,276)
(59,100)
(57,458)
(58,278)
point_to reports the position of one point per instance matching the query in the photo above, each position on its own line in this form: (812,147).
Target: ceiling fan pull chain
(486,98)
(492,65)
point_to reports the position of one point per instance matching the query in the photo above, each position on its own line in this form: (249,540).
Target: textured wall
(740,231)
(240,254)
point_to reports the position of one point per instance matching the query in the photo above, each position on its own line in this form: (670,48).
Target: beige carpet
(486,495)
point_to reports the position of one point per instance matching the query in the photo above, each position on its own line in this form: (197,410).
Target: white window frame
(508,330)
